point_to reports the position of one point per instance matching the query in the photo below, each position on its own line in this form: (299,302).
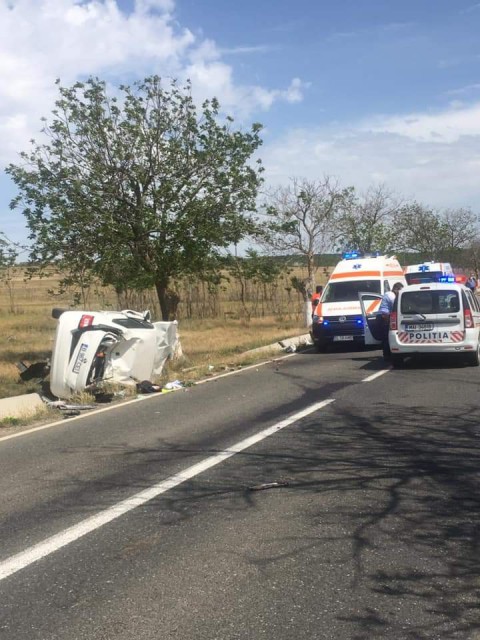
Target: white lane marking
(50,545)
(375,375)
(250,366)
(57,423)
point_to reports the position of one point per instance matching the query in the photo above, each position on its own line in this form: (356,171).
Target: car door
(369,304)
(475,308)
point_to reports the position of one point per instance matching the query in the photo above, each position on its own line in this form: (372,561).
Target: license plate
(419,327)
(80,358)
(342,338)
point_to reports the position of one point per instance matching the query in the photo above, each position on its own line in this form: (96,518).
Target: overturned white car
(93,347)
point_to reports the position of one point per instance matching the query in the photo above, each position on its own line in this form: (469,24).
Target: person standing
(383,316)
(471,282)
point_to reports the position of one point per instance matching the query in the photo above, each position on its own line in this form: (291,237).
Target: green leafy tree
(138,188)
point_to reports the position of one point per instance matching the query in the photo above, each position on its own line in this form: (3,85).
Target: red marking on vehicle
(373,306)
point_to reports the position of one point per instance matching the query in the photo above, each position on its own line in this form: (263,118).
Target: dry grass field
(27,329)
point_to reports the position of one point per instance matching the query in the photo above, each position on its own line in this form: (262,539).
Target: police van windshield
(424,302)
(348,291)
(422,276)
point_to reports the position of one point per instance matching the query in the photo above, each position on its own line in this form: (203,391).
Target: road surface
(149,521)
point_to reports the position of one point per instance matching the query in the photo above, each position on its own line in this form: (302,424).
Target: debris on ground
(37,370)
(174,385)
(61,404)
(70,414)
(104,397)
(148,387)
(269,485)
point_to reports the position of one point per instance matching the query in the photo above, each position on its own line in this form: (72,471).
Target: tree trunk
(307,307)
(163,299)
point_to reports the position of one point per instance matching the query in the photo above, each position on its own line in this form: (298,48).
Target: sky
(369,91)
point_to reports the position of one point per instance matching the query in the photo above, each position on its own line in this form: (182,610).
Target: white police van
(436,317)
(337,317)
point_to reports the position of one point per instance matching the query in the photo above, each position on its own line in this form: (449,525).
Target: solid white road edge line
(375,375)
(50,545)
(20,434)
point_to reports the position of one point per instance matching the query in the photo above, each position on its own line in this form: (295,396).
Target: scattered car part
(269,485)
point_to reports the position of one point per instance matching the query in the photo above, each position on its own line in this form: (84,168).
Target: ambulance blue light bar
(446,279)
(351,255)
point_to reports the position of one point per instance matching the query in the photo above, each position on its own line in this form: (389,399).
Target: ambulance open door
(370,303)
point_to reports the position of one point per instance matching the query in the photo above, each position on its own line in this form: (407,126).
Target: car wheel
(473,359)
(396,360)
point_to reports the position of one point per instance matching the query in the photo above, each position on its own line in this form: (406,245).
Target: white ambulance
(428,272)
(356,285)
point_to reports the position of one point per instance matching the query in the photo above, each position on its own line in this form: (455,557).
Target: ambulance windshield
(423,276)
(348,291)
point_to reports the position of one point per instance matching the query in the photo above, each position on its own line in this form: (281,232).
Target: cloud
(468,88)
(446,126)
(261,48)
(41,40)
(434,158)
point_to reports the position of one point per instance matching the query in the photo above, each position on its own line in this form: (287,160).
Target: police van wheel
(473,359)
(397,361)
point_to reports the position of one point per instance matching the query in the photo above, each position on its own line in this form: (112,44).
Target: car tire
(396,361)
(473,359)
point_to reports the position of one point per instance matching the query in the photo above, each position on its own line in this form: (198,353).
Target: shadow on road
(401,491)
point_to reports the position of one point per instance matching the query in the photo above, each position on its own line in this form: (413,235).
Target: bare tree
(367,224)
(435,235)
(460,231)
(302,222)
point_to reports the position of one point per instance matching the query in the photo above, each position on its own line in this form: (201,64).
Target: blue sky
(370,91)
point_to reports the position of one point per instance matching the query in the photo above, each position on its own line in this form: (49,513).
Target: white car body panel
(108,351)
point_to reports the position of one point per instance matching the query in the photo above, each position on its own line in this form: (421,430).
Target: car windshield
(423,276)
(348,291)
(425,302)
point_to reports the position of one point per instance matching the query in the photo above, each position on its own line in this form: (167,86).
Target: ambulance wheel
(473,359)
(321,346)
(397,361)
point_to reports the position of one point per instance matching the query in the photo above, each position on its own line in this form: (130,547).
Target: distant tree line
(144,190)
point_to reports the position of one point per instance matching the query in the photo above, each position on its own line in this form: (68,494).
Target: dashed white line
(50,545)
(375,375)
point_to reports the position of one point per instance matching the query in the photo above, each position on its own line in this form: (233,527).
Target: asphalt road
(372,532)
